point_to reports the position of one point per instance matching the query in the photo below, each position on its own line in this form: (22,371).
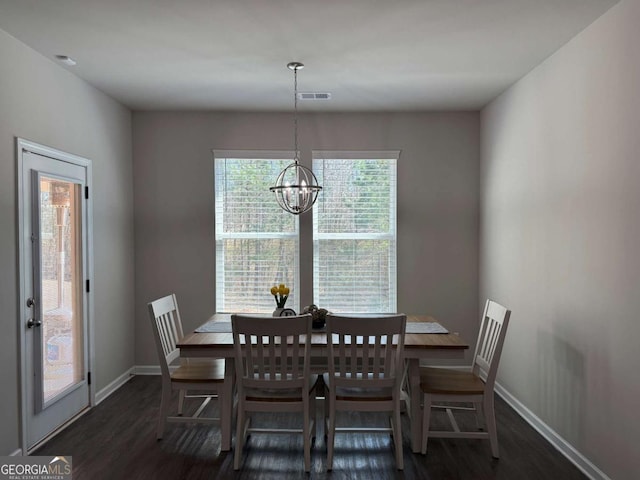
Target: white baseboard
(559,443)
(151,369)
(147,369)
(113,386)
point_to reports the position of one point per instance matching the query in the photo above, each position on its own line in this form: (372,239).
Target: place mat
(412,327)
(425,327)
(214,327)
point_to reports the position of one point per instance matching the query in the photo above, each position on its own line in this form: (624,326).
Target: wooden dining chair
(366,365)
(273,374)
(474,386)
(203,375)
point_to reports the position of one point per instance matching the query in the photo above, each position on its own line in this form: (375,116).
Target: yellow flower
(280,294)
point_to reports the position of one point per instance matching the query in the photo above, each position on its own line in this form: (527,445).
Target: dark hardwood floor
(116,440)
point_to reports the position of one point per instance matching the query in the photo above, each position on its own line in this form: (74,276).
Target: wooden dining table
(417,346)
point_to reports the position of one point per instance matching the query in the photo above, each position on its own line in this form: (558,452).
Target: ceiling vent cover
(314,96)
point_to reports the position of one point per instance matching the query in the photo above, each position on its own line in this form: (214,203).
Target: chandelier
(296,187)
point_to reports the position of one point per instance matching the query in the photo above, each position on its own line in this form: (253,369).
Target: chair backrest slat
(295,370)
(342,346)
(365,353)
(377,361)
(254,356)
(354,354)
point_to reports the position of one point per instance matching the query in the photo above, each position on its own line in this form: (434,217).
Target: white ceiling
(371,55)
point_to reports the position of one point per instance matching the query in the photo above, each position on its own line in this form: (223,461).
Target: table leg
(226,407)
(414,404)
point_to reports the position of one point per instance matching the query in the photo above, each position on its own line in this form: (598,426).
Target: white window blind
(257,243)
(354,232)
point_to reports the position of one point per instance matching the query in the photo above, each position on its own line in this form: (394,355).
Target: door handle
(33,323)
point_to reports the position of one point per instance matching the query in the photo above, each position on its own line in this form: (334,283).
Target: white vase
(277,312)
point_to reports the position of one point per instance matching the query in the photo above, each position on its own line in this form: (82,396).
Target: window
(354,232)
(257,243)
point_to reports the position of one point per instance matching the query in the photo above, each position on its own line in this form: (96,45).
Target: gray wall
(42,102)
(437,204)
(560,230)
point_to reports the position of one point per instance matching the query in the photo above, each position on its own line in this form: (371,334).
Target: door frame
(26,146)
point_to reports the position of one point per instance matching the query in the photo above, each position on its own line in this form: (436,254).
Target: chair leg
(225,421)
(306,433)
(397,436)
(240,432)
(479,415)
(426,417)
(325,408)
(225,405)
(331,432)
(312,411)
(164,408)
(490,419)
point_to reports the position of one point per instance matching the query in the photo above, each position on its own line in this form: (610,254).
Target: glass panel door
(60,287)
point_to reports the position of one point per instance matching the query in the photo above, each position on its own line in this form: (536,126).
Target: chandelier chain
(295,114)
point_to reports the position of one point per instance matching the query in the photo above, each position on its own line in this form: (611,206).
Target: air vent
(66,60)
(314,96)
